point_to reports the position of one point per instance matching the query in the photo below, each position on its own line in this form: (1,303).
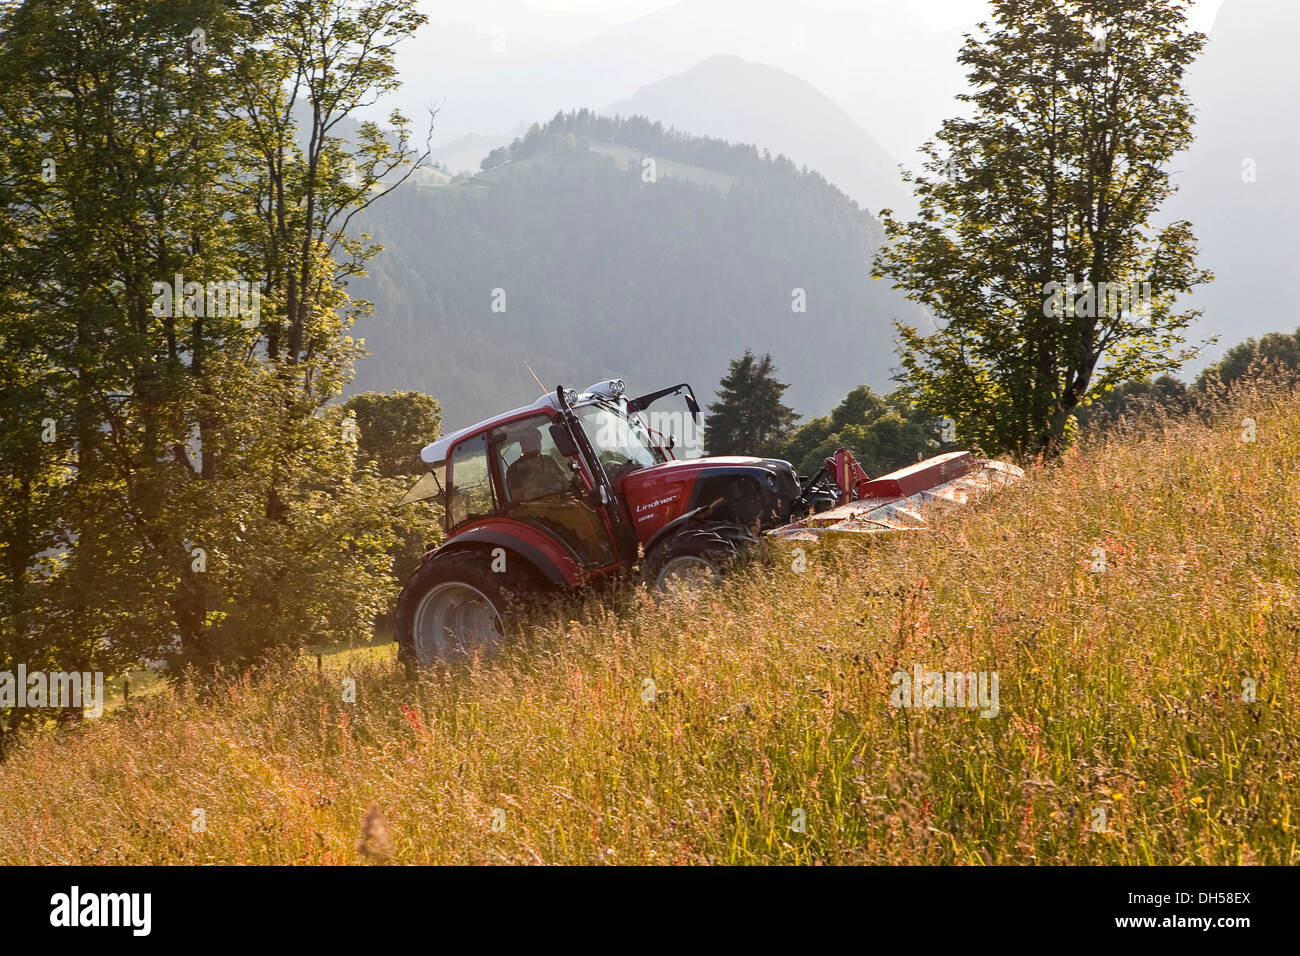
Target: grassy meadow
(767,735)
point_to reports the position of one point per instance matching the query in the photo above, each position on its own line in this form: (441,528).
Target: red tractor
(576,487)
(571,489)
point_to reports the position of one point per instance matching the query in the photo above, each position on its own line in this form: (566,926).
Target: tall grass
(1120,692)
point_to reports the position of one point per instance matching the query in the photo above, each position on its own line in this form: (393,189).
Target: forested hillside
(607,265)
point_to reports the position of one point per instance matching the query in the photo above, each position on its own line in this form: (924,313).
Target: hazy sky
(590,16)
(473,86)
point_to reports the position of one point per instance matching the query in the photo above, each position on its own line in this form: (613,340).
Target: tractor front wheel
(694,557)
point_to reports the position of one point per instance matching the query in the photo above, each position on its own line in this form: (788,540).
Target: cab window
(531,466)
(471,494)
(621,443)
(542,489)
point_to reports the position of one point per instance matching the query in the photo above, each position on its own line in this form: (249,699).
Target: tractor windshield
(622,443)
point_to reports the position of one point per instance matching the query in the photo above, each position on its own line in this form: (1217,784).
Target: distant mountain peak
(743,101)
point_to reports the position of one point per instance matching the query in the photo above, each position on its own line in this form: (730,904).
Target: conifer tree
(749,417)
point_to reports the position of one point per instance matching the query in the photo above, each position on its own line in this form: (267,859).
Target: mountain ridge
(734,99)
(604,273)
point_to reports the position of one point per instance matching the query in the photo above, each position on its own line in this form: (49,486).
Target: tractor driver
(541,493)
(533,475)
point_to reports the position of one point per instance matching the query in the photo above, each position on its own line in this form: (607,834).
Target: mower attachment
(903,500)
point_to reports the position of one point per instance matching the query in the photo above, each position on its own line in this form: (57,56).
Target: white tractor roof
(602,391)
(437,451)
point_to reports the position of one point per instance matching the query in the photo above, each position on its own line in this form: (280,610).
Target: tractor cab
(577,486)
(552,467)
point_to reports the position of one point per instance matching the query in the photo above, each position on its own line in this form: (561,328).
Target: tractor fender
(672,527)
(563,573)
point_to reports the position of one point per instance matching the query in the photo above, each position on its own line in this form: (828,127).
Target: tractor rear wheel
(455,607)
(695,556)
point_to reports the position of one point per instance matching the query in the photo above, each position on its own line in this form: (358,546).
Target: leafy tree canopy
(392,428)
(1035,245)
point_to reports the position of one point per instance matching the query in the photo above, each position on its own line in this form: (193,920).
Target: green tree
(884,433)
(804,450)
(749,417)
(1278,350)
(1044,195)
(861,406)
(112,149)
(391,429)
(316,534)
(497,157)
(1134,396)
(197,482)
